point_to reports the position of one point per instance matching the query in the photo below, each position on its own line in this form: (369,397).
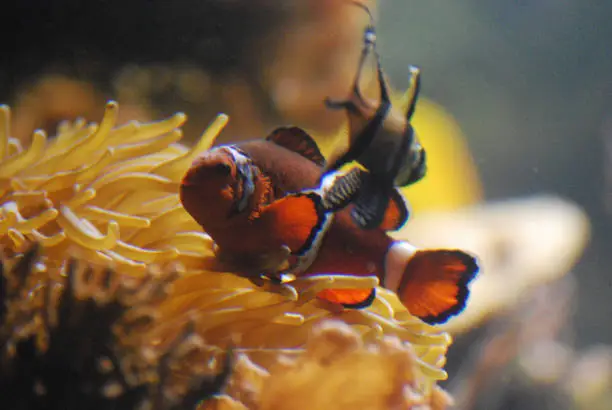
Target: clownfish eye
(223,168)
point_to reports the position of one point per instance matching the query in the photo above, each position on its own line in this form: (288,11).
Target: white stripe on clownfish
(396,260)
(246,172)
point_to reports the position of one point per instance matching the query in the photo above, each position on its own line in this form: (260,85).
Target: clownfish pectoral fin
(379,205)
(298,221)
(396,213)
(434,285)
(375,206)
(349,298)
(369,209)
(299,141)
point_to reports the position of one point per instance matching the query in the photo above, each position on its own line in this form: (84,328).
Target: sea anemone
(107,195)
(78,341)
(336,367)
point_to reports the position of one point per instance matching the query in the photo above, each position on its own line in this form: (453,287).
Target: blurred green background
(530,83)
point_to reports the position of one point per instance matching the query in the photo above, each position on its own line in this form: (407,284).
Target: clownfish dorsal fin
(299,141)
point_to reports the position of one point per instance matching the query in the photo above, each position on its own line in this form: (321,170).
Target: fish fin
(413,91)
(434,285)
(363,140)
(409,164)
(339,190)
(370,206)
(299,141)
(295,220)
(389,149)
(397,212)
(376,206)
(349,298)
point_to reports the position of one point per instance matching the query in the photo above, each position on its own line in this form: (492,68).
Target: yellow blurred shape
(452,180)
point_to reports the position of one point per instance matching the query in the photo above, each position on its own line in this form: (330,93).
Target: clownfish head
(221,183)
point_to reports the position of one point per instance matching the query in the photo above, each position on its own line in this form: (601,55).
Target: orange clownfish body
(263,197)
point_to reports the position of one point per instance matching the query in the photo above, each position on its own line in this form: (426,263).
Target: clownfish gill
(246,174)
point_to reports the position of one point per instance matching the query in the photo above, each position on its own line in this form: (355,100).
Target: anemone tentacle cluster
(107,195)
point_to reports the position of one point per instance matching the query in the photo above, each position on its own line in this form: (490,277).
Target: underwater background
(516,110)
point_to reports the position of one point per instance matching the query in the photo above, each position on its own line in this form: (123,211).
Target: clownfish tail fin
(433,284)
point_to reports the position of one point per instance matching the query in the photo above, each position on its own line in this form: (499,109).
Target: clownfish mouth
(244,183)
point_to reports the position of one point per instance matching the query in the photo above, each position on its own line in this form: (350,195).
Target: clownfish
(382,141)
(263,197)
